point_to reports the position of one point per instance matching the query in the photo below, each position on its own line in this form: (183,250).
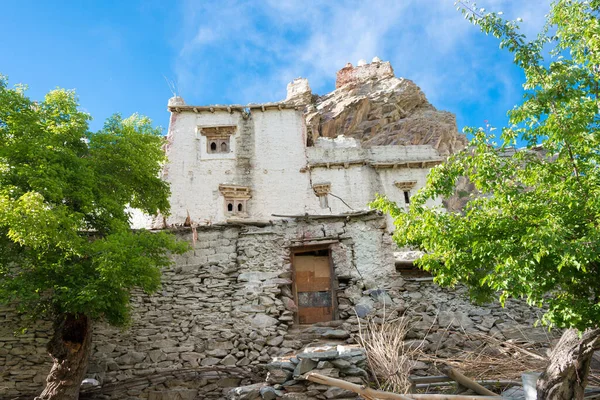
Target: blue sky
(117,54)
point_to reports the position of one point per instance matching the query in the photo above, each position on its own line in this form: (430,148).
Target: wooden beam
(369,393)
(427,396)
(362,390)
(467,382)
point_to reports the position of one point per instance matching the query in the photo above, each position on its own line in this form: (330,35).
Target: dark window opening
(315,253)
(309,140)
(409,269)
(240,207)
(217,146)
(343,282)
(230,207)
(407,197)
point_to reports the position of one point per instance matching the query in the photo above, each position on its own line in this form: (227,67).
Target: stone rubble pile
(285,378)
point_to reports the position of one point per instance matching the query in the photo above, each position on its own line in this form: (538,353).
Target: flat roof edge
(236,107)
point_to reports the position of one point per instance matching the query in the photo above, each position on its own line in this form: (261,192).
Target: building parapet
(418,156)
(233,107)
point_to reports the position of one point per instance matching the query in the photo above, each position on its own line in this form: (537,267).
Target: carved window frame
(218,138)
(406,187)
(236,200)
(321,191)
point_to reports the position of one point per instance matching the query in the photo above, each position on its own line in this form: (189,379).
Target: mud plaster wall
(229,302)
(268,154)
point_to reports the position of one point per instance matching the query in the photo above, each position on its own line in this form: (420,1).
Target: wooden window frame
(235,195)
(218,135)
(219,143)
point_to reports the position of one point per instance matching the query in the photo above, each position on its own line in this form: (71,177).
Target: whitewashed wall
(268,153)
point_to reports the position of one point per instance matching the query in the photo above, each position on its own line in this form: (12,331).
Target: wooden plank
(303,263)
(362,390)
(311,315)
(313,286)
(321,267)
(369,393)
(467,382)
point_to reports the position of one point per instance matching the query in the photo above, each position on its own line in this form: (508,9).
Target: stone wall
(226,302)
(24,364)
(229,302)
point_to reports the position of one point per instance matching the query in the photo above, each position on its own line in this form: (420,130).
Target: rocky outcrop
(374,106)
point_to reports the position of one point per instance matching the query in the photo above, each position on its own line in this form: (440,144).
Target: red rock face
(343,76)
(350,74)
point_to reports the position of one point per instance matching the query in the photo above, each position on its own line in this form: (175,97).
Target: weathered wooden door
(313,284)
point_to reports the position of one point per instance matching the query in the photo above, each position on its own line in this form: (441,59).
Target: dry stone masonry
(230,302)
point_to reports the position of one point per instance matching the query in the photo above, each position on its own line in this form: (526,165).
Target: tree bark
(566,376)
(70,349)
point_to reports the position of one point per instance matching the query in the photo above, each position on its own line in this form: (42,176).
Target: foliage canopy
(65,241)
(532,227)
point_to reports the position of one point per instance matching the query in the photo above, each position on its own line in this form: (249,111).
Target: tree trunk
(567,374)
(70,349)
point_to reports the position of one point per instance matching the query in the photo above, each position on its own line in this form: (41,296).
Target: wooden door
(313,288)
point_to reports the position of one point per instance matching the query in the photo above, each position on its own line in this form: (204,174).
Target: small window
(218,146)
(407,196)
(236,198)
(236,207)
(407,268)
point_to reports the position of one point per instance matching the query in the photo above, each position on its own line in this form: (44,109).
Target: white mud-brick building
(252,163)
(255,165)
(273,199)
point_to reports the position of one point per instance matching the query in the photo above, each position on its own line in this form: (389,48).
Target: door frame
(332,278)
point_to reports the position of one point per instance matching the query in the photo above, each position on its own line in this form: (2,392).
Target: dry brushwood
(492,359)
(389,359)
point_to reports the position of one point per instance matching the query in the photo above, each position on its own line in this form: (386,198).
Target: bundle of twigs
(492,358)
(390,360)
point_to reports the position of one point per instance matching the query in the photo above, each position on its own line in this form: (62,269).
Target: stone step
(309,334)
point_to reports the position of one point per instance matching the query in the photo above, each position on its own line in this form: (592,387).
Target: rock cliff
(374,106)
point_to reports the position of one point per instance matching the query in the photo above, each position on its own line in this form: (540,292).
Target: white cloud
(257,47)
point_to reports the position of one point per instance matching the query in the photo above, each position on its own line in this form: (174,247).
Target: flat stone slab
(320,355)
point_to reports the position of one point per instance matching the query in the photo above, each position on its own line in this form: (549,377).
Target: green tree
(532,229)
(66,248)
